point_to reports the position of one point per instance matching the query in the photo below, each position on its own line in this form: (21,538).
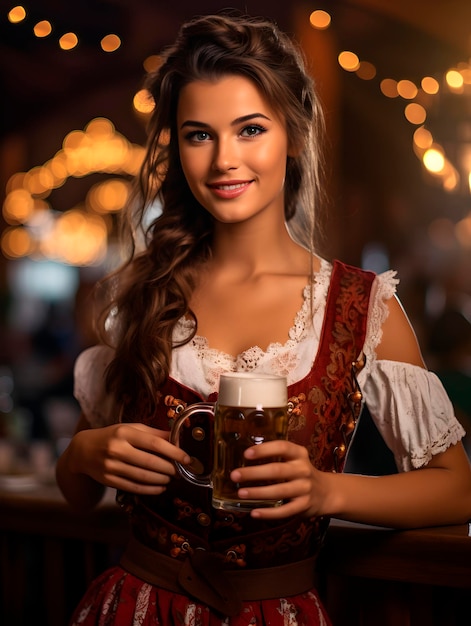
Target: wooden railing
(369,576)
(380,577)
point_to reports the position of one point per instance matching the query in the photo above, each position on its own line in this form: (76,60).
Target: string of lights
(67,41)
(79,236)
(419,99)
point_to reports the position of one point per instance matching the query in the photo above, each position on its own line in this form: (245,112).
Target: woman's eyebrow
(246,118)
(238,120)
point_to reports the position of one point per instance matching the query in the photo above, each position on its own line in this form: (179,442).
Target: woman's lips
(231,189)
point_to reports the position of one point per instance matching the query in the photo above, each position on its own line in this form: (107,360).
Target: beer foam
(258,390)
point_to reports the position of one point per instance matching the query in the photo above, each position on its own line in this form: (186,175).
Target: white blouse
(407,403)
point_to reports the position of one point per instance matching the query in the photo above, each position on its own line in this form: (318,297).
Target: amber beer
(250,410)
(235,430)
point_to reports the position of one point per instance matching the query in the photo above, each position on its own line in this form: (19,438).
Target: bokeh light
(349,61)
(17,14)
(68,41)
(320,19)
(43,29)
(110,43)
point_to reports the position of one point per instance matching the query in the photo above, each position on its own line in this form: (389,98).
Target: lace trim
(450,437)
(384,288)
(250,358)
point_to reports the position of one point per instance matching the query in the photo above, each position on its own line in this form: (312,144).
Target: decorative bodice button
(204,519)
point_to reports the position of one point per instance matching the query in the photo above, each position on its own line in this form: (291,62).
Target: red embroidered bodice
(182,519)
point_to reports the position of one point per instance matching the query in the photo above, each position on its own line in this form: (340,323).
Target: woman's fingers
(292,461)
(133,457)
(291,478)
(287,450)
(152,440)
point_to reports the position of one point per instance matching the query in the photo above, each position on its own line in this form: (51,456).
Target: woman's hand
(437,494)
(132,457)
(293,478)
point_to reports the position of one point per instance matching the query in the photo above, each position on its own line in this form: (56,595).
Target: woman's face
(233,148)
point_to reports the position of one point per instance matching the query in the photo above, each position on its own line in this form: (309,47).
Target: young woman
(226,278)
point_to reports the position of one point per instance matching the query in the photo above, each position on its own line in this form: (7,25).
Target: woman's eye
(198,136)
(253,131)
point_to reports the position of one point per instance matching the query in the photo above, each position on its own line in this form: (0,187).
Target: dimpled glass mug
(250,410)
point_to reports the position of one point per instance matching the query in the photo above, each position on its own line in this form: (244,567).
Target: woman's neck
(250,252)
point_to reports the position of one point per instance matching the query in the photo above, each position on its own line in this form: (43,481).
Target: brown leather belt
(202,577)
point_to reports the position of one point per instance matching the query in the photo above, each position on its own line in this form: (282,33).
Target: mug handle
(202,480)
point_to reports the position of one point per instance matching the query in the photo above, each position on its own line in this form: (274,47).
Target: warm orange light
(466,74)
(17,14)
(38,181)
(454,79)
(42,29)
(450,180)
(76,239)
(57,168)
(349,61)
(143,102)
(423,138)
(109,196)
(388,88)
(110,43)
(100,127)
(18,206)
(430,85)
(152,63)
(415,113)
(320,19)
(16,243)
(434,160)
(15,181)
(366,71)
(73,140)
(68,41)
(406,89)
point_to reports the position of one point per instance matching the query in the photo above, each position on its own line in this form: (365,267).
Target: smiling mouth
(230,186)
(230,190)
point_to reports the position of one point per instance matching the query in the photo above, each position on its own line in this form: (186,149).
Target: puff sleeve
(89,386)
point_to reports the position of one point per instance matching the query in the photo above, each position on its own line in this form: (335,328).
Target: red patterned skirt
(117,598)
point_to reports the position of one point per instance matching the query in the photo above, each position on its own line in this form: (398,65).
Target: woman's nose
(226,155)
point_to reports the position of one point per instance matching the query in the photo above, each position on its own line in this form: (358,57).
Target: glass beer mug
(251,409)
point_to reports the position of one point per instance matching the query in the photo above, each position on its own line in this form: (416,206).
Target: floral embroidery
(330,399)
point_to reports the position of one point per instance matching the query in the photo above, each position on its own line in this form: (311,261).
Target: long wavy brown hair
(152,290)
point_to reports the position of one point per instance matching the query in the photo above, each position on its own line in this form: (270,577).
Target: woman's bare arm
(437,494)
(79,489)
